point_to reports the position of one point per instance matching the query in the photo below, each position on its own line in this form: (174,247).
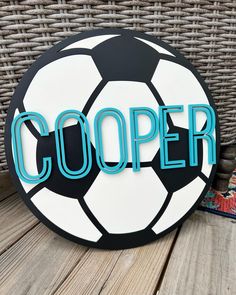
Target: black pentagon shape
(176,178)
(123,241)
(73,188)
(121,58)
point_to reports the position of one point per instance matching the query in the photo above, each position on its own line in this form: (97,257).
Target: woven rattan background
(204,31)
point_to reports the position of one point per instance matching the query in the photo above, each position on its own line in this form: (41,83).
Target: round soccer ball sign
(112,138)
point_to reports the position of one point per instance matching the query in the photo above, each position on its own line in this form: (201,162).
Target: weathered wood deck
(198,258)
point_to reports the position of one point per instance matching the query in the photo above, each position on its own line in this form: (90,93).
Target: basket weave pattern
(204,31)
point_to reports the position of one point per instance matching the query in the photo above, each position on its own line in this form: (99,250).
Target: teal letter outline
(206,133)
(18,150)
(165,137)
(118,116)
(60,145)
(137,139)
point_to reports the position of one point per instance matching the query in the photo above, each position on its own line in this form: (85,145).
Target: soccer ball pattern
(119,69)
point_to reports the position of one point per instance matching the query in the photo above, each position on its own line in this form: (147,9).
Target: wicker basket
(204,31)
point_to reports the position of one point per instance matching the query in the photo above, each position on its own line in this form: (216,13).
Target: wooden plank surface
(35,260)
(138,270)
(37,263)
(90,274)
(6,187)
(203,261)
(133,271)
(15,220)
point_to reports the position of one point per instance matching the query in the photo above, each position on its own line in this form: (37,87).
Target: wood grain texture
(203,261)
(15,220)
(37,263)
(138,270)
(90,274)
(6,186)
(133,271)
